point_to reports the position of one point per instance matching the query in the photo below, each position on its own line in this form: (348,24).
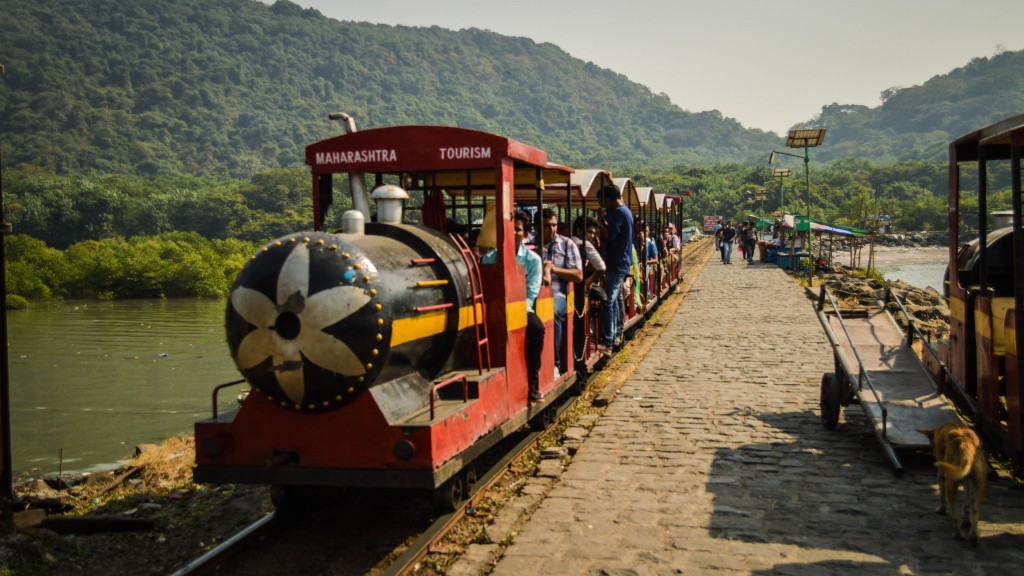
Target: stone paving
(712,460)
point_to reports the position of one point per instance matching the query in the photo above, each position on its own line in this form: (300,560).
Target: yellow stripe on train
(429,324)
(434,322)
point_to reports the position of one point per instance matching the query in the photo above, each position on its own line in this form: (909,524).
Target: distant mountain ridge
(233,87)
(919,122)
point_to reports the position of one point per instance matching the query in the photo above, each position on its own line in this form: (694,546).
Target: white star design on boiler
(301,318)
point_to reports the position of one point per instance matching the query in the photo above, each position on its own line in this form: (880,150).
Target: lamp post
(805,138)
(760,194)
(781,173)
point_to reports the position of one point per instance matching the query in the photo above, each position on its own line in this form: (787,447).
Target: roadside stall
(789,246)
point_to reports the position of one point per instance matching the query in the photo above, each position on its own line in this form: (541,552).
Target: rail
(217,390)
(862,375)
(216,556)
(448,382)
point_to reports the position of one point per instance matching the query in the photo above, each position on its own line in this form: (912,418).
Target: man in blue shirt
(618,257)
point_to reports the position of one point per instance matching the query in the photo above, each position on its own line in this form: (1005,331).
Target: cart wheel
(831,399)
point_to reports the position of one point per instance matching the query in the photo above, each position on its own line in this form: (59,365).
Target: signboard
(801,223)
(709,223)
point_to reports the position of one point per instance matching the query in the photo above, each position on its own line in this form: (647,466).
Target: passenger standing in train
(589,229)
(562,263)
(618,257)
(648,250)
(674,243)
(534,327)
(586,228)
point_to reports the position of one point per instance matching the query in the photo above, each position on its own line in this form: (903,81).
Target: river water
(921,275)
(90,380)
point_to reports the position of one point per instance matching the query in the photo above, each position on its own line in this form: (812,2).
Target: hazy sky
(768,64)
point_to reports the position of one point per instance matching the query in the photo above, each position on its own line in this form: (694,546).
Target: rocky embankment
(909,240)
(852,288)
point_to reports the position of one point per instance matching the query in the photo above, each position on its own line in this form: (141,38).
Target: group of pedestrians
(745,236)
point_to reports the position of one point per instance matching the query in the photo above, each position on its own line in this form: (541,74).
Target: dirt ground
(154,519)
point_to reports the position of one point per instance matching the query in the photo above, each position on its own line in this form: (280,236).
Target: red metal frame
(986,376)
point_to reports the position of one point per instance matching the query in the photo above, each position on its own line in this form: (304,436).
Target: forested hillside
(231,87)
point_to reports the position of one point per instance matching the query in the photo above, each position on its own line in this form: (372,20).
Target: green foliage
(849,192)
(179,264)
(127,122)
(15,302)
(61,210)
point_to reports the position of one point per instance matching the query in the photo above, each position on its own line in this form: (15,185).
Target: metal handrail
(452,380)
(217,390)
(862,376)
(912,328)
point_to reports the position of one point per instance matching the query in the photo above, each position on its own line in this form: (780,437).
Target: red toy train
(386,354)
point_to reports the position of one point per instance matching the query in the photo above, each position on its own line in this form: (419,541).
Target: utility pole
(6,477)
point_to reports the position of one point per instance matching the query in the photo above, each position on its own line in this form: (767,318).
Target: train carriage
(980,362)
(385,354)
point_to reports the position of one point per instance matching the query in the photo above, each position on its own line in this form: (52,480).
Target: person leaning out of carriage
(562,264)
(531,263)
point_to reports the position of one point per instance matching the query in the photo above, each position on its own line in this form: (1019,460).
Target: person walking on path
(726,236)
(751,242)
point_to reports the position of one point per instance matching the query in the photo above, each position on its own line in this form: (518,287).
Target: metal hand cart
(877,367)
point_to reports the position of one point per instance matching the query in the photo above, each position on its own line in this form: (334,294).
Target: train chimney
(352,222)
(357,180)
(389,203)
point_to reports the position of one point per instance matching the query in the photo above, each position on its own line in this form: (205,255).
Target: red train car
(386,354)
(980,362)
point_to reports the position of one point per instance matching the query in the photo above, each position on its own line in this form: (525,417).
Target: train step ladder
(476,299)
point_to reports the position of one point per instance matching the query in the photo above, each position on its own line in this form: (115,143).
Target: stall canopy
(799,222)
(761,222)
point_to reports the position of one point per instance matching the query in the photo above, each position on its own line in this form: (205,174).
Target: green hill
(234,87)
(919,122)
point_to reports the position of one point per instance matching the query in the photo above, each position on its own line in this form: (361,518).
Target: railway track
(388,534)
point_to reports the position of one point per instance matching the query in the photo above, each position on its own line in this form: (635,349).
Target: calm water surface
(920,275)
(94,379)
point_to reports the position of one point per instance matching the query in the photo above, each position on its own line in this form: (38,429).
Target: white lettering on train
(350,156)
(465,153)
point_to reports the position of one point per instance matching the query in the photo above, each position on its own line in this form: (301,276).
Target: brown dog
(960,460)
